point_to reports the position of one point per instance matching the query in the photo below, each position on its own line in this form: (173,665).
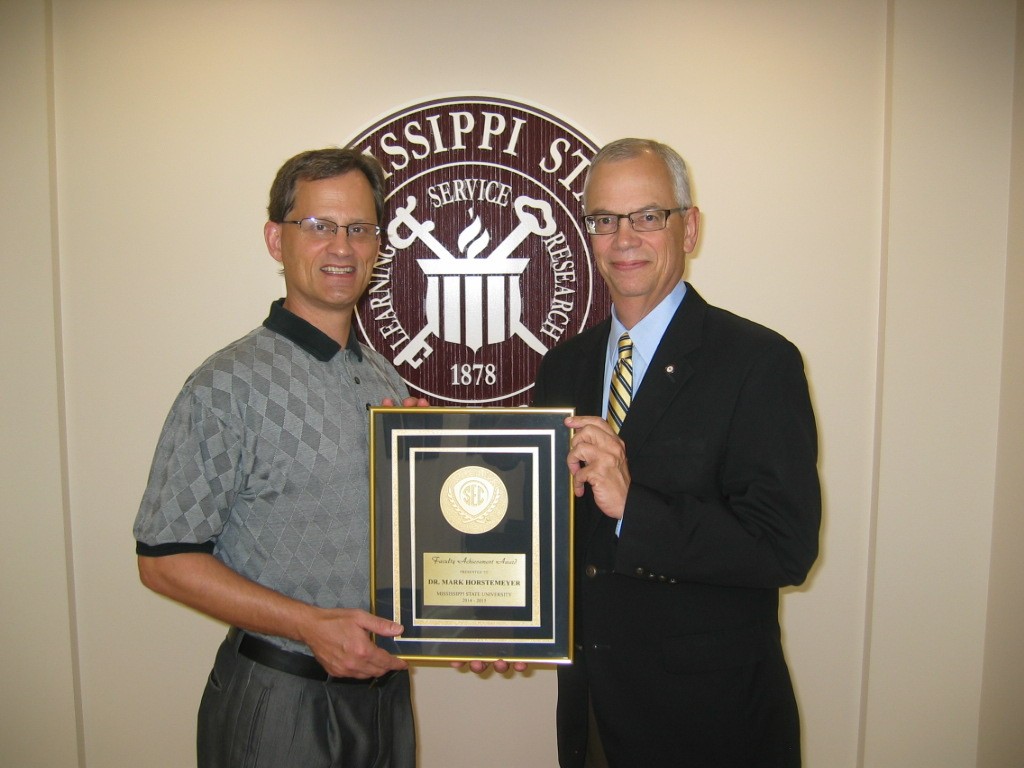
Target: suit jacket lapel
(667,372)
(589,394)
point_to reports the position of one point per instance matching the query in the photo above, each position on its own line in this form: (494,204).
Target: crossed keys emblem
(457,287)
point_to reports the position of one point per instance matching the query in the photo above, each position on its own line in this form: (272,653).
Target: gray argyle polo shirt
(263,462)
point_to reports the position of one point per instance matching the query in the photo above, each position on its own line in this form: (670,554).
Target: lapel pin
(670,369)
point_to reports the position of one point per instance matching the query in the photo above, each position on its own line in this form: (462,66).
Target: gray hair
(627,149)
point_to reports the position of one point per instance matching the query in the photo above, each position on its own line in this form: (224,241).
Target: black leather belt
(298,664)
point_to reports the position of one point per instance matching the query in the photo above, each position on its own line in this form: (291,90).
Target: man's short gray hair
(627,149)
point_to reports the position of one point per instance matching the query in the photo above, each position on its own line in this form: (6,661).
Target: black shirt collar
(306,335)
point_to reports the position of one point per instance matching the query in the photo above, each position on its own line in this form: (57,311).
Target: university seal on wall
(484,265)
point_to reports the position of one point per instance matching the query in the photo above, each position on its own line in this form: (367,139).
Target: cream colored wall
(38,705)
(850,227)
(945,251)
(999,738)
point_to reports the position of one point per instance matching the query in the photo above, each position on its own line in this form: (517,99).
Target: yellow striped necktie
(621,392)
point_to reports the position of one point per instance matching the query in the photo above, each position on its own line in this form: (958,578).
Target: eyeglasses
(358,232)
(640,221)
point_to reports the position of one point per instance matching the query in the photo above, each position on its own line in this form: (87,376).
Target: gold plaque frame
(471,513)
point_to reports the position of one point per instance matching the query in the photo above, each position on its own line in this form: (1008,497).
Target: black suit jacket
(678,641)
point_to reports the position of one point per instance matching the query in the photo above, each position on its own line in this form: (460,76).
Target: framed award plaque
(471,532)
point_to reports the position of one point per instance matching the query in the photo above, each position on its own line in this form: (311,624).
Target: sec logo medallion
(473,500)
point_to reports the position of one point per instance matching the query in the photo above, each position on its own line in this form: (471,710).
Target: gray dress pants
(253,716)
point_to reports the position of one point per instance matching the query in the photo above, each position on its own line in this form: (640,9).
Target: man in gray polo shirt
(256,510)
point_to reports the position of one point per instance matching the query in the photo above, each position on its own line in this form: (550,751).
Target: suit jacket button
(591,571)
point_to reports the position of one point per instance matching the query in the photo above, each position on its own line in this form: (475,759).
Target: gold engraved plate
(481,579)
(473,500)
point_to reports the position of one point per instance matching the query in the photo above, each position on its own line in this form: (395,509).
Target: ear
(272,234)
(691,223)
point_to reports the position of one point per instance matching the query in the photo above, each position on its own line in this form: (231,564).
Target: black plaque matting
(471,532)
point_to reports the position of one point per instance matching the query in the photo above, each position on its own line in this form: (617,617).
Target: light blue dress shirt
(646,336)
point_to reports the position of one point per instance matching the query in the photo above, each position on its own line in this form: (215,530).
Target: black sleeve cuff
(162,550)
